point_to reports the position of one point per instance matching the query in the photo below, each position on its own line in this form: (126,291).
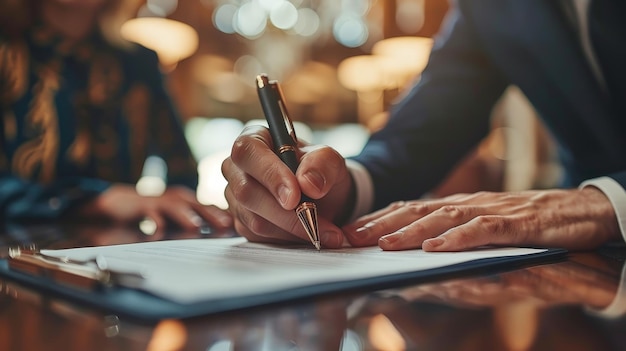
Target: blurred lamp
(310,83)
(365,74)
(409,56)
(362,73)
(172,40)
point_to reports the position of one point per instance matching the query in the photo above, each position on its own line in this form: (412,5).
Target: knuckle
(452,211)
(419,209)
(241,149)
(226,166)
(486,222)
(396,205)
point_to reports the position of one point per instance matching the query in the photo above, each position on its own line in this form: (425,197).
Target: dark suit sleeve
(442,118)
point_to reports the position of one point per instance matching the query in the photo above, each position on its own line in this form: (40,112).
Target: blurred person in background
(80,111)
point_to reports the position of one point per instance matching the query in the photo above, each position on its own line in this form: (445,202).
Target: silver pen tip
(317,245)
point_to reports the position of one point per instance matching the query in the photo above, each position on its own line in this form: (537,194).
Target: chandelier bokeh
(345,19)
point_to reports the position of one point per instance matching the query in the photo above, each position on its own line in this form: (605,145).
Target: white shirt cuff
(616,194)
(364,189)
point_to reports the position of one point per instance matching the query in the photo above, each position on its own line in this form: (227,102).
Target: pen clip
(283,109)
(273,103)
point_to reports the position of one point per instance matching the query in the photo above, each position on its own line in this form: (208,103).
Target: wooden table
(556,306)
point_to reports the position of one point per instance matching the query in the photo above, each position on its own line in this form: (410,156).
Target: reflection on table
(576,304)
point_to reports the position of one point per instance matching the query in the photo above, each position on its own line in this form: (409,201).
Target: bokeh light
(224,17)
(164,7)
(247,67)
(284,15)
(361,73)
(350,31)
(250,20)
(345,20)
(308,22)
(172,40)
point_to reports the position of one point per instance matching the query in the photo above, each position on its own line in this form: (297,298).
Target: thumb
(321,169)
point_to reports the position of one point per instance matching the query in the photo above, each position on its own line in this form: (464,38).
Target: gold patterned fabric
(78,116)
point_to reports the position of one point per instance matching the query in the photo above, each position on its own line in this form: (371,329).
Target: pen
(285,142)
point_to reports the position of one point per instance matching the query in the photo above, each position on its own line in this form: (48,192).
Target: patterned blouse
(74,119)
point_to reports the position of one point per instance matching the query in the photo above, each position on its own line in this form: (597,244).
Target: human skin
(262,194)
(178,205)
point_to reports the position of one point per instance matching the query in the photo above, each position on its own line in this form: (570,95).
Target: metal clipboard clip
(89,275)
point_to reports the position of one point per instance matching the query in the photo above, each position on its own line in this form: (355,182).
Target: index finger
(252,153)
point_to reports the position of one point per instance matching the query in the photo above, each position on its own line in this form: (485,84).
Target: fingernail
(196,220)
(433,243)
(315,179)
(391,238)
(283,194)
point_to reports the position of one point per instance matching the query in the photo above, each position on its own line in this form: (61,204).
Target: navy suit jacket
(483,47)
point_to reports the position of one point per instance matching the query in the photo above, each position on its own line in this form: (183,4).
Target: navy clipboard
(140,305)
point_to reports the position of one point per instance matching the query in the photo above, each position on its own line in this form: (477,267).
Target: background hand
(573,219)
(177,205)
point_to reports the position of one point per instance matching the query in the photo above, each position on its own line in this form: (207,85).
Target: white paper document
(195,270)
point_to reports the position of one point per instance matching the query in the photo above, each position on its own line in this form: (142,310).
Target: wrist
(605,212)
(616,194)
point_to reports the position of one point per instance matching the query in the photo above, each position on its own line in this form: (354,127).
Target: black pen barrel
(270,98)
(284,145)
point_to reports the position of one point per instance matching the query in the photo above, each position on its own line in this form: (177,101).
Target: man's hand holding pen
(263,192)
(266,184)
(285,143)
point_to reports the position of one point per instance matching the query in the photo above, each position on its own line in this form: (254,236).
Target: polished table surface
(569,304)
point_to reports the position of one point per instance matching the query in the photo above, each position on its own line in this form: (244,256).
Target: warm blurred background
(340,62)
(302,43)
